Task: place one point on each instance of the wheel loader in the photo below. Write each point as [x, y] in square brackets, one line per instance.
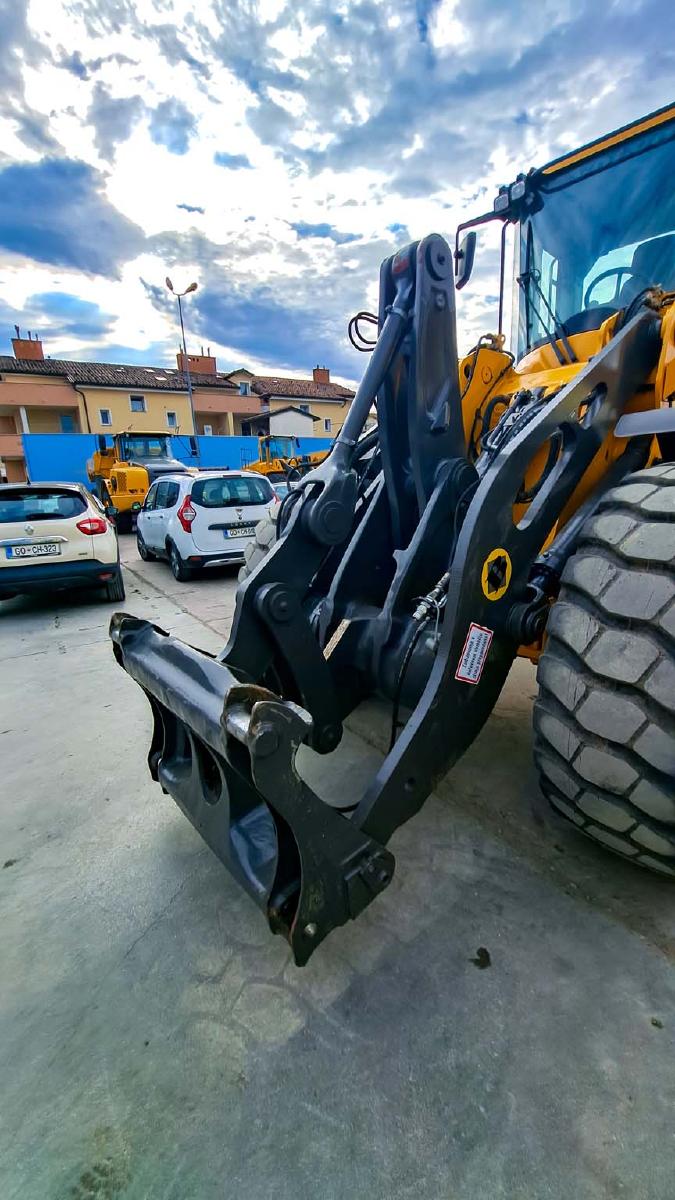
[514, 502]
[122, 473]
[279, 460]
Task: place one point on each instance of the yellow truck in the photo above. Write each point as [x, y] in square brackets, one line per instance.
[122, 473]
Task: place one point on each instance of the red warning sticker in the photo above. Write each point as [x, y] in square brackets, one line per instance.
[474, 654]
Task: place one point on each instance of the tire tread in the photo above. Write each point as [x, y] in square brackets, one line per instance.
[578, 666]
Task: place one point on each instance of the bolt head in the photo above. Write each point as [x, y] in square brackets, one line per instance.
[310, 930]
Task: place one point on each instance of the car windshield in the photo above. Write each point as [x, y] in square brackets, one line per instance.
[605, 231]
[231, 490]
[145, 447]
[40, 504]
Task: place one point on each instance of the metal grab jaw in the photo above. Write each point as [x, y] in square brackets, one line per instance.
[226, 752]
[332, 615]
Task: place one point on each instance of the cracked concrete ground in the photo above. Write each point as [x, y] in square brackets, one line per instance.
[156, 1043]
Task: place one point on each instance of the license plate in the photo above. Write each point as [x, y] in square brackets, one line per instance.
[34, 550]
[240, 531]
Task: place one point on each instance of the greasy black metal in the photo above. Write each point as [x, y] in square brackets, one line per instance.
[280, 610]
[226, 753]
[450, 713]
[551, 561]
[327, 616]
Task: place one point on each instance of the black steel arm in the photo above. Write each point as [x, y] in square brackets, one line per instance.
[329, 616]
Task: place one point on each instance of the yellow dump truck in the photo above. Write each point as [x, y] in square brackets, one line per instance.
[122, 473]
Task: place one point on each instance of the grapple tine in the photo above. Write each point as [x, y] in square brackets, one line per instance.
[225, 751]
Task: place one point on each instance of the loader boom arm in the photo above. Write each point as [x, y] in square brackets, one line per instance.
[386, 533]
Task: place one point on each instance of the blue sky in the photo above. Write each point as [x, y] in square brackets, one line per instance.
[276, 152]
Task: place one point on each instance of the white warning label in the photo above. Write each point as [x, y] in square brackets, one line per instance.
[474, 654]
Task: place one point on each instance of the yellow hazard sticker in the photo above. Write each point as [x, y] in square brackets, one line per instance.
[496, 574]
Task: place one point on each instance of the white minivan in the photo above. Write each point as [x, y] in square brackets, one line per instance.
[201, 520]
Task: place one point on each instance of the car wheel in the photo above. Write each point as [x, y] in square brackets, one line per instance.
[180, 571]
[114, 589]
[143, 551]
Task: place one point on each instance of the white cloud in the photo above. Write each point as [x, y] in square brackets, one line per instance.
[352, 116]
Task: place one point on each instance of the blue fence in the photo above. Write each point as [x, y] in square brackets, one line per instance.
[63, 456]
[59, 457]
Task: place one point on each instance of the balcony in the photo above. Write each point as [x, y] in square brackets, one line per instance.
[11, 445]
[210, 403]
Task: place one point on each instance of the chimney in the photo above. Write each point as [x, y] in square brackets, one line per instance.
[199, 364]
[27, 347]
[321, 375]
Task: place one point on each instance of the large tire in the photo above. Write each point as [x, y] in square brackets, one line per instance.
[605, 717]
[124, 522]
[114, 589]
[260, 545]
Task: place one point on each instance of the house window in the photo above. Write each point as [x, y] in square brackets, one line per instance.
[137, 403]
[208, 430]
[327, 425]
[67, 423]
[105, 416]
[304, 407]
[244, 388]
[171, 420]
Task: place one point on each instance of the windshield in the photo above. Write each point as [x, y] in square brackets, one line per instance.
[282, 447]
[145, 447]
[605, 231]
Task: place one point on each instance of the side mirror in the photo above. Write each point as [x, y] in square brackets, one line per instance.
[464, 256]
[101, 443]
[193, 447]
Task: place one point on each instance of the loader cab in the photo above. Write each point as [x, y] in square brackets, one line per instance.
[274, 447]
[594, 230]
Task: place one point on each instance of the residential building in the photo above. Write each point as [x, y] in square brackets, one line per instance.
[292, 421]
[45, 395]
[317, 396]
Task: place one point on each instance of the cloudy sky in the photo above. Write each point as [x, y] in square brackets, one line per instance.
[276, 151]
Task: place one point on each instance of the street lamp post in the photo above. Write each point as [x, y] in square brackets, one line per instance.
[179, 296]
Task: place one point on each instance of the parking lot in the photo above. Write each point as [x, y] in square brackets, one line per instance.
[498, 1024]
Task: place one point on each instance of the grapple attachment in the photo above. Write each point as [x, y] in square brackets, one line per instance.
[401, 571]
[226, 752]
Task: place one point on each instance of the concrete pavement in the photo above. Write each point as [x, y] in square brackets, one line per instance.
[156, 1042]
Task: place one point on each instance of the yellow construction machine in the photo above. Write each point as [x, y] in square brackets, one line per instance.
[279, 459]
[519, 501]
[122, 472]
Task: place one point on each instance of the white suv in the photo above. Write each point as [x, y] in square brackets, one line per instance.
[202, 520]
